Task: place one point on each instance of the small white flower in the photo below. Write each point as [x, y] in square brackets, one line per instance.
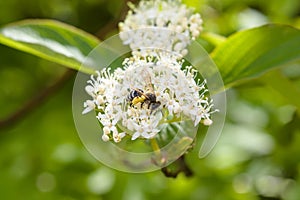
[105, 138]
[100, 100]
[90, 90]
[89, 106]
[106, 130]
[207, 122]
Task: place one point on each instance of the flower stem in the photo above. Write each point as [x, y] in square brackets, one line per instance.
[175, 119]
[124, 129]
[159, 159]
[154, 145]
[178, 119]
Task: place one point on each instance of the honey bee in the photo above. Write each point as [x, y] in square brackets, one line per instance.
[147, 98]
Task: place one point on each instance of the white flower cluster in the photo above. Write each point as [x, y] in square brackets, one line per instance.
[175, 25]
[153, 87]
[180, 95]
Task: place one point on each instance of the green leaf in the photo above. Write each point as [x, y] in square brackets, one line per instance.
[50, 40]
[248, 54]
[213, 38]
[280, 83]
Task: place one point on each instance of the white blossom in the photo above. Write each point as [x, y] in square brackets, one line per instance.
[181, 94]
[160, 24]
[158, 32]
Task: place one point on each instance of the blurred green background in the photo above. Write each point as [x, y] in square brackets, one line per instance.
[257, 156]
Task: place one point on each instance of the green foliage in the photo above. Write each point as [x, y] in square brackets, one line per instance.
[50, 40]
[249, 53]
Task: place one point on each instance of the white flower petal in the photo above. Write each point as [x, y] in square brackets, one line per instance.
[106, 130]
[207, 122]
[121, 135]
[105, 138]
[89, 106]
[90, 90]
[135, 136]
[87, 110]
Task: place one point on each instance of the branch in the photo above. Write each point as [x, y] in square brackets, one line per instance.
[36, 100]
[177, 167]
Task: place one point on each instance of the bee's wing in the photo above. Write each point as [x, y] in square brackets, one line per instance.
[147, 78]
[141, 92]
[135, 89]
